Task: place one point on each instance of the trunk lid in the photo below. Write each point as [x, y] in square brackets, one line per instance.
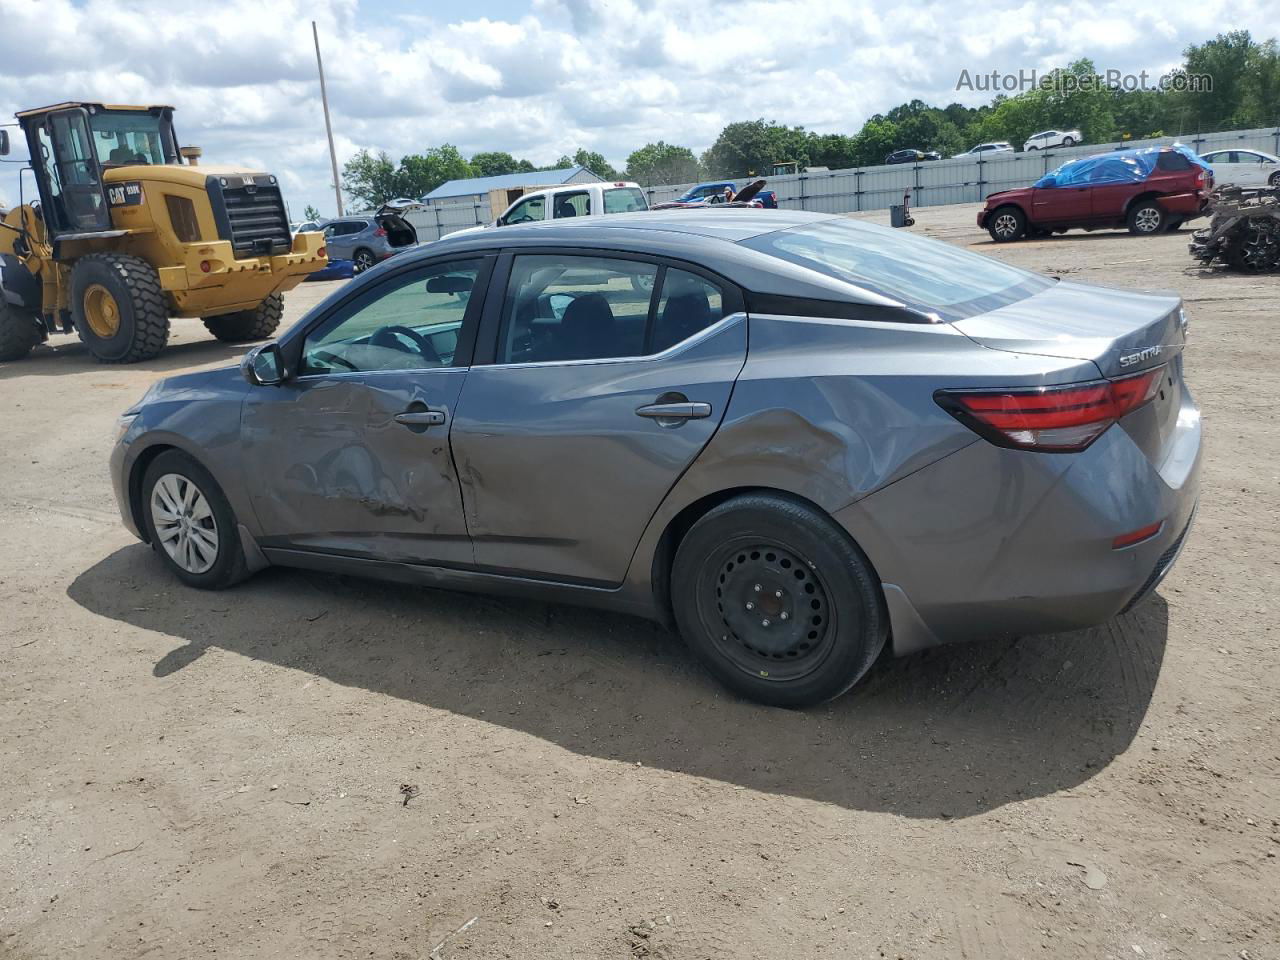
[1121, 332]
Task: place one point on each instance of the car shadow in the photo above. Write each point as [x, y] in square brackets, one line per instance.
[64, 354]
[947, 733]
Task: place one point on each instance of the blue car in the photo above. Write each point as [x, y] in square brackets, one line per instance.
[335, 270]
[707, 192]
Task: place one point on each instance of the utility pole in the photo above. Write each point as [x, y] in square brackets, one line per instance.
[328, 127]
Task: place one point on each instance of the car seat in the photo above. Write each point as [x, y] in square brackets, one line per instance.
[588, 330]
[683, 316]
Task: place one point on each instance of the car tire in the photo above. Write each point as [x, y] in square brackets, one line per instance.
[363, 260]
[762, 561]
[204, 551]
[256, 324]
[1274, 179]
[119, 309]
[1068, 141]
[1146, 218]
[1032, 149]
[643, 282]
[1006, 224]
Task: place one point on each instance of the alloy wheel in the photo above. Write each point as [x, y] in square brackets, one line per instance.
[1147, 220]
[364, 260]
[184, 523]
[1006, 225]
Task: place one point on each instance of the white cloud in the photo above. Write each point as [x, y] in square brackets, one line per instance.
[544, 77]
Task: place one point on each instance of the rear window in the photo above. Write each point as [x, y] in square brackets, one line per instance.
[926, 275]
[624, 200]
[1171, 160]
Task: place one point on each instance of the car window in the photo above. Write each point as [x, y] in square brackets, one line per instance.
[411, 321]
[1246, 156]
[1217, 157]
[575, 308]
[927, 275]
[1172, 160]
[528, 210]
[576, 204]
[687, 304]
[624, 200]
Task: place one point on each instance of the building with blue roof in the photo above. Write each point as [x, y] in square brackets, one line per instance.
[478, 189]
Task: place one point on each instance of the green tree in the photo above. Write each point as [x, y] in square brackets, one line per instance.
[752, 147]
[421, 173]
[310, 213]
[662, 163]
[370, 179]
[594, 162]
[497, 163]
[1227, 59]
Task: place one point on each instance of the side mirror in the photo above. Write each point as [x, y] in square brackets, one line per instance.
[263, 366]
[4, 143]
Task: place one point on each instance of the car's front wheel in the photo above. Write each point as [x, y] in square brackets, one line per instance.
[1274, 179]
[190, 523]
[1007, 224]
[1146, 218]
[777, 602]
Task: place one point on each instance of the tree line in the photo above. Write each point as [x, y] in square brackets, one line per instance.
[1244, 92]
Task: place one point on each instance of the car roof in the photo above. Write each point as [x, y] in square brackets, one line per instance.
[708, 237]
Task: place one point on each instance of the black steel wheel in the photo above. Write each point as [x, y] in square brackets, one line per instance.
[777, 601]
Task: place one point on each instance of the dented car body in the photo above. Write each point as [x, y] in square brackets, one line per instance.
[925, 400]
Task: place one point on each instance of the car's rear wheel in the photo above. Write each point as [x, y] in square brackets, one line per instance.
[1146, 218]
[363, 260]
[1007, 224]
[777, 601]
[190, 523]
[1068, 141]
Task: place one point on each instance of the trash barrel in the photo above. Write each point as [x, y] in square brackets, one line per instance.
[898, 215]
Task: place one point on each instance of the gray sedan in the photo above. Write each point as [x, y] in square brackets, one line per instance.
[795, 437]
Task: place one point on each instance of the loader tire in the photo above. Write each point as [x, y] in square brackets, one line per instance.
[256, 324]
[118, 307]
[19, 331]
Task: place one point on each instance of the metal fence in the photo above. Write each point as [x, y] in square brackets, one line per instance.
[932, 183]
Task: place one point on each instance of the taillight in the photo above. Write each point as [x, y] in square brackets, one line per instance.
[380, 232]
[1061, 419]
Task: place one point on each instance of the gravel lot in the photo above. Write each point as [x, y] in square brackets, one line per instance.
[189, 775]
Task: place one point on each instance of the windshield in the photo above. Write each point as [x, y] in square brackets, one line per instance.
[130, 136]
[927, 275]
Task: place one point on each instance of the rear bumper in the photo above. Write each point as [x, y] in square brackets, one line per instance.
[992, 542]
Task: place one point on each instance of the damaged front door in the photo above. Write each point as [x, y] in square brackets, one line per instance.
[352, 453]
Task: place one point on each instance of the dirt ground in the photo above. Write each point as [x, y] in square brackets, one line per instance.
[190, 775]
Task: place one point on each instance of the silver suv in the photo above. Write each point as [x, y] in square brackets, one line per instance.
[368, 240]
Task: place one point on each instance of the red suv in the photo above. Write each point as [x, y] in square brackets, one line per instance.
[1148, 190]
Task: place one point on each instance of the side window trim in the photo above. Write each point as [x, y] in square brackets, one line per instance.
[733, 300]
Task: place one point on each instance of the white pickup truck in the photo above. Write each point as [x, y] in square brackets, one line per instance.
[575, 200]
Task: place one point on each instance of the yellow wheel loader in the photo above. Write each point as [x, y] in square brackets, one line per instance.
[128, 231]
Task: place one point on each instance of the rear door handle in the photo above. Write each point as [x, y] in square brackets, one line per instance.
[420, 418]
[685, 410]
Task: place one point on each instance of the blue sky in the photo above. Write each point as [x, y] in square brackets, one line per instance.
[540, 78]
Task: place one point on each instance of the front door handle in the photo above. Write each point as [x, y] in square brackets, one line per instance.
[420, 418]
[683, 410]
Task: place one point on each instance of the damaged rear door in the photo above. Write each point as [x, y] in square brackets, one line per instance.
[351, 455]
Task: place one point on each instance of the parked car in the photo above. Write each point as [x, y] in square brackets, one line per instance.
[1148, 190]
[912, 156]
[713, 192]
[1244, 168]
[922, 445]
[306, 226]
[368, 240]
[1046, 139]
[985, 150]
[575, 200]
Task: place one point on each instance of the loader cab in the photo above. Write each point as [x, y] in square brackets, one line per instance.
[72, 144]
